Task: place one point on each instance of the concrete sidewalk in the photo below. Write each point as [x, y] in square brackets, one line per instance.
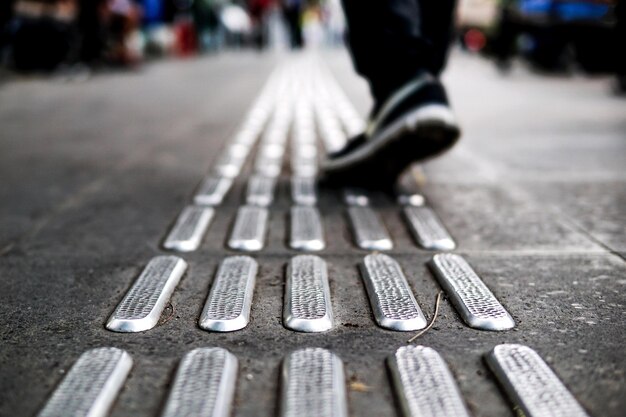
[93, 174]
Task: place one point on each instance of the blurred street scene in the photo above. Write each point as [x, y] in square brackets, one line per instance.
[119, 118]
[559, 36]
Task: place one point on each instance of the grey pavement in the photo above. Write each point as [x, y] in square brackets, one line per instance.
[92, 175]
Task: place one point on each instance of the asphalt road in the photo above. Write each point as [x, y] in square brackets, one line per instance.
[92, 174]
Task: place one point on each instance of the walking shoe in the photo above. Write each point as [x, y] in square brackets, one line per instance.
[414, 124]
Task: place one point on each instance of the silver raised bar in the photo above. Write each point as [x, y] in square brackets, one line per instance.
[143, 304]
[307, 305]
[191, 225]
[427, 229]
[392, 301]
[248, 233]
[228, 305]
[356, 197]
[306, 229]
[424, 385]
[260, 191]
[91, 385]
[313, 385]
[474, 302]
[303, 191]
[204, 384]
[212, 191]
[531, 384]
[369, 232]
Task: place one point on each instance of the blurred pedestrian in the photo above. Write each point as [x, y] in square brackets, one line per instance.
[400, 47]
[292, 12]
[122, 18]
[259, 10]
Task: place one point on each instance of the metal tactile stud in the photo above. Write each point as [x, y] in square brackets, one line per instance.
[313, 385]
[474, 302]
[91, 385]
[369, 231]
[141, 307]
[228, 305]
[204, 384]
[391, 298]
[427, 229]
[531, 384]
[424, 385]
[307, 305]
[191, 225]
[248, 233]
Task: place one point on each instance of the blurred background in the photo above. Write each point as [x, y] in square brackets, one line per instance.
[79, 36]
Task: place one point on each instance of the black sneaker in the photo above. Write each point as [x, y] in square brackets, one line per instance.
[414, 124]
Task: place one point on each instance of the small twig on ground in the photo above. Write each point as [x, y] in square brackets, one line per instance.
[432, 322]
[168, 318]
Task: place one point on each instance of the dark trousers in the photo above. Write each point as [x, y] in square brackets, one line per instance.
[392, 41]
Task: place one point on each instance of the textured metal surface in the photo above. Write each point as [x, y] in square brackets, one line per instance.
[91, 386]
[304, 167]
[248, 233]
[313, 385]
[212, 191]
[307, 295]
[306, 229]
[424, 385]
[356, 197]
[229, 165]
[304, 191]
[531, 384]
[143, 304]
[227, 307]
[475, 303]
[411, 199]
[369, 232]
[204, 385]
[191, 225]
[268, 168]
[391, 298]
[260, 191]
[427, 229]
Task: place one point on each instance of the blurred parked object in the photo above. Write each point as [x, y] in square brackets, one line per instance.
[237, 24]
[42, 34]
[556, 35]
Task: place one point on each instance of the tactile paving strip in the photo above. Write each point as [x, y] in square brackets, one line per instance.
[307, 295]
[306, 229]
[303, 191]
[260, 191]
[424, 385]
[369, 232]
[187, 233]
[249, 230]
[313, 385]
[228, 305]
[531, 384]
[143, 304]
[212, 191]
[475, 303]
[392, 301]
[204, 384]
[91, 386]
[427, 229]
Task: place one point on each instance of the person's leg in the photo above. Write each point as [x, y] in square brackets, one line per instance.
[393, 41]
[400, 47]
[438, 30]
